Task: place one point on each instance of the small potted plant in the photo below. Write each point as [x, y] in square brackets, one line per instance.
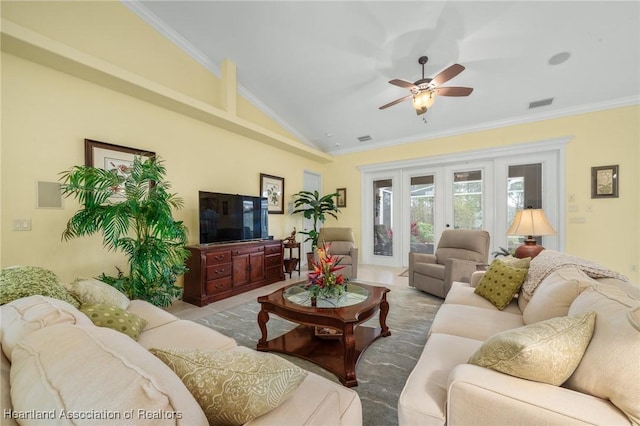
[315, 207]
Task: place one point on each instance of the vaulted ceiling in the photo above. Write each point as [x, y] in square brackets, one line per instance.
[321, 68]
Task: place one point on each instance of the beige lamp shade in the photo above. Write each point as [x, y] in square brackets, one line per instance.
[531, 222]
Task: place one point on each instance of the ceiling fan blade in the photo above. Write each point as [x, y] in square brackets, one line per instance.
[453, 91]
[397, 101]
[402, 83]
[447, 74]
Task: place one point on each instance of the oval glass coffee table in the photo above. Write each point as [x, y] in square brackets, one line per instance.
[330, 333]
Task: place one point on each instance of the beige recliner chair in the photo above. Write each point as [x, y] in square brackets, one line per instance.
[456, 258]
[343, 245]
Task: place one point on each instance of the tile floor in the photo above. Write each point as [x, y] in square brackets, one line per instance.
[369, 273]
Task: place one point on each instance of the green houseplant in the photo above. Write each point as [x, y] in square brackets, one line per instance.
[315, 207]
[132, 209]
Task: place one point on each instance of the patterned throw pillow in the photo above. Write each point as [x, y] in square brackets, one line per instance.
[24, 281]
[547, 351]
[500, 283]
[93, 291]
[516, 262]
[113, 317]
[234, 386]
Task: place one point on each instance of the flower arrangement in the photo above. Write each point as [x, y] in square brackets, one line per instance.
[323, 280]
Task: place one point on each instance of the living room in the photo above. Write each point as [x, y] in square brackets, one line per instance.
[95, 70]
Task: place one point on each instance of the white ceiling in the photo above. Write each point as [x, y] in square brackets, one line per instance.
[321, 68]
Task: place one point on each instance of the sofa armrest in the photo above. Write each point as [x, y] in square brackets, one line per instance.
[457, 270]
[476, 277]
[478, 395]
[354, 261]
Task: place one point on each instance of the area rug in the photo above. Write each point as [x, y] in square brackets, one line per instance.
[383, 368]
[404, 273]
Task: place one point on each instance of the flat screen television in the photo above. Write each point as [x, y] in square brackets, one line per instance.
[232, 217]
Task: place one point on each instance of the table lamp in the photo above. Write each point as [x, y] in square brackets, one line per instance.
[530, 222]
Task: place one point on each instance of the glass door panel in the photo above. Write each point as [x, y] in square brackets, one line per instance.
[524, 189]
[383, 217]
[421, 202]
[467, 200]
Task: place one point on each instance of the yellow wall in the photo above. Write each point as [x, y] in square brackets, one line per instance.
[47, 114]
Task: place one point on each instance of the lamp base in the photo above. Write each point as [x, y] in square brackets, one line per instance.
[530, 248]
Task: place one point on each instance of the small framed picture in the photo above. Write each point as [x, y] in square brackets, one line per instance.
[604, 182]
[272, 187]
[341, 200]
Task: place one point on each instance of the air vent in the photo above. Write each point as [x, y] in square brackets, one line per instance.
[364, 138]
[540, 103]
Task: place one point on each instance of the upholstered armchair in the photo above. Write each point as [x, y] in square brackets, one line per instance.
[343, 245]
[456, 258]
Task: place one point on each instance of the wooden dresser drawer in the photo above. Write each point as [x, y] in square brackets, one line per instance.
[272, 249]
[219, 271]
[219, 257]
[219, 286]
[272, 260]
[274, 272]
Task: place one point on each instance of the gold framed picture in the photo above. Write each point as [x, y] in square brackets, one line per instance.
[604, 182]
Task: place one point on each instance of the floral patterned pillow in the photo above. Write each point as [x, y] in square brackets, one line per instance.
[24, 281]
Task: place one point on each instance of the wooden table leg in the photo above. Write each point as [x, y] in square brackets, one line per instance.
[263, 318]
[384, 311]
[349, 342]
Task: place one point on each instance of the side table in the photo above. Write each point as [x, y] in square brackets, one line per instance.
[292, 263]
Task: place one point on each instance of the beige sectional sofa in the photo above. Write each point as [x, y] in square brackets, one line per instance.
[54, 358]
[444, 388]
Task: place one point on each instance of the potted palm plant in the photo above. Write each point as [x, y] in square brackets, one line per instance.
[132, 209]
[315, 207]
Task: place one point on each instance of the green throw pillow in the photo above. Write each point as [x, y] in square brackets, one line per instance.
[547, 351]
[500, 283]
[113, 317]
[516, 262]
[25, 281]
[234, 386]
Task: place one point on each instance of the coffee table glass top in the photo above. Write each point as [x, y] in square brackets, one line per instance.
[300, 296]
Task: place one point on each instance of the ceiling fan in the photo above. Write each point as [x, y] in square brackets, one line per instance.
[424, 90]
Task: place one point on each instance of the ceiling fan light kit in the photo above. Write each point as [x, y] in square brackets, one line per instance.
[423, 91]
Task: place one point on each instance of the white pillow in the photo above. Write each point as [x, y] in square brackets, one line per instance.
[555, 294]
[29, 314]
[98, 370]
[90, 291]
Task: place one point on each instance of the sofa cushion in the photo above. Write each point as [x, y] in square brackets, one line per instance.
[555, 294]
[234, 386]
[610, 367]
[117, 319]
[93, 291]
[25, 281]
[185, 334]
[97, 370]
[154, 315]
[464, 294]
[29, 314]
[340, 247]
[547, 351]
[500, 283]
[473, 322]
[434, 270]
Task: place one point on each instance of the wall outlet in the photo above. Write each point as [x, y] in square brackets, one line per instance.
[572, 198]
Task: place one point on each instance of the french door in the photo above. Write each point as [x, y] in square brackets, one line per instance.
[408, 207]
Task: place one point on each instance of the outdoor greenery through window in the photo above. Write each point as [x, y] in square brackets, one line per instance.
[467, 200]
[422, 192]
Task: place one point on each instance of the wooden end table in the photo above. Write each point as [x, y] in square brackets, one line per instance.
[338, 351]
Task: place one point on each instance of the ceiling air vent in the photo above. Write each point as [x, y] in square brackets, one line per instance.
[364, 138]
[540, 103]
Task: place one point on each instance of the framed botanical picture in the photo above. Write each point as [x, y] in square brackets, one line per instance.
[272, 187]
[341, 200]
[111, 157]
[604, 182]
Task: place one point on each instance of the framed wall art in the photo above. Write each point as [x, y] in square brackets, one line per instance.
[111, 157]
[272, 187]
[604, 182]
[341, 200]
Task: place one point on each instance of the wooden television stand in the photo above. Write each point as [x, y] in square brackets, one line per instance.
[218, 271]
